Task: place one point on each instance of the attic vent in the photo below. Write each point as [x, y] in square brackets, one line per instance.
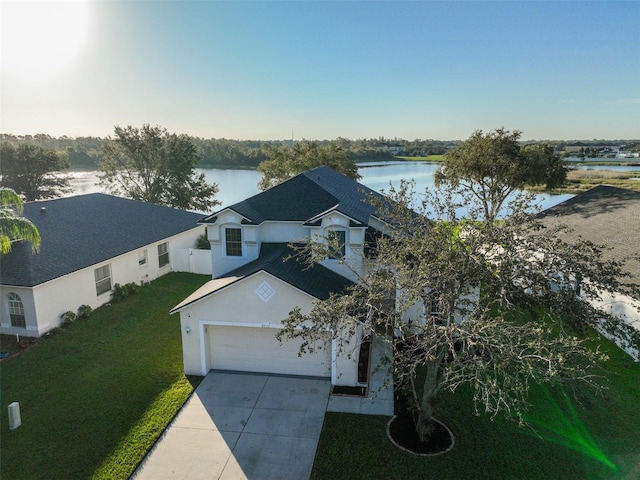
[265, 292]
[43, 210]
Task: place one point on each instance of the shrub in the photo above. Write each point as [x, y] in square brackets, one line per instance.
[84, 311]
[68, 318]
[131, 288]
[203, 242]
[123, 291]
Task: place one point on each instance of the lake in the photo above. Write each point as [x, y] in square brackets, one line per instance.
[236, 185]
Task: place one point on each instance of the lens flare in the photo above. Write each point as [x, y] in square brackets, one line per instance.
[561, 425]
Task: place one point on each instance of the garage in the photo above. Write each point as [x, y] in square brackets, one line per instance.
[255, 349]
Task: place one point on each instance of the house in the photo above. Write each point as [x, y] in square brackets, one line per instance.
[230, 323]
[89, 243]
[608, 216]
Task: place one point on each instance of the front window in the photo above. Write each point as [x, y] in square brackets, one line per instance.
[337, 244]
[233, 242]
[16, 311]
[163, 254]
[103, 279]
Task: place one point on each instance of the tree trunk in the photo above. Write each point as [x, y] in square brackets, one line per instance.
[425, 424]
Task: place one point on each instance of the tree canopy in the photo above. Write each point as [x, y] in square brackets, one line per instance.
[286, 162]
[33, 171]
[491, 305]
[155, 166]
[493, 165]
[14, 227]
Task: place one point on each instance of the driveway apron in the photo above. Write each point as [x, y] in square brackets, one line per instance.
[242, 426]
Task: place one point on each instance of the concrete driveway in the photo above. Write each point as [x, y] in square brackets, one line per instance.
[242, 426]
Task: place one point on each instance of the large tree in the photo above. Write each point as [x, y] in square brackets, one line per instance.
[488, 304]
[33, 171]
[493, 165]
[155, 166]
[14, 227]
[288, 161]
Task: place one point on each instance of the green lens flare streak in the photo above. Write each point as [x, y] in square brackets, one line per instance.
[566, 428]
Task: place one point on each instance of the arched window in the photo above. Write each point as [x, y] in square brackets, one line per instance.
[16, 311]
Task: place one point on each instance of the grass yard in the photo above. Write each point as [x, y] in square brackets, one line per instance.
[95, 396]
[599, 440]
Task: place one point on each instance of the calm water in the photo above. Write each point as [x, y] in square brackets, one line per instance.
[236, 185]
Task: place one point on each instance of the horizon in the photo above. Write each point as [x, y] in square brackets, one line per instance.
[556, 71]
[386, 139]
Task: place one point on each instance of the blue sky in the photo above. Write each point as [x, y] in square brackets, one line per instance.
[319, 70]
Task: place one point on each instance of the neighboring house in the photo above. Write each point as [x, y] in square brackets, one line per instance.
[607, 216]
[230, 323]
[89, 243]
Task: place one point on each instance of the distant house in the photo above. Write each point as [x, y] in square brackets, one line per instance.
[608, 216]
[89, 243]
[575, 147]
[230, 323]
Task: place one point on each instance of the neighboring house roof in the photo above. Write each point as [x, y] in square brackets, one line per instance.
[607, 216]
[84, 230]
[305, 197]
[274, 259]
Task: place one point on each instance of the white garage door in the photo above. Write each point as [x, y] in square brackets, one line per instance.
[251, 349]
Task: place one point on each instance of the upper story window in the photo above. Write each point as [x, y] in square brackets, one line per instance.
[142, 258]
[233, 242]
[163, 254]
[337, 240]
[437, 309]
[103, 279]
[16, 311]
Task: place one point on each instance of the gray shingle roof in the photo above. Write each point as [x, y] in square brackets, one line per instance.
[83, 230]
[305, 196]
[604, 215]
[318, 281]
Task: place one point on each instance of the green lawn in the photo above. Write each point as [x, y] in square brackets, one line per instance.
[591, 437]
[94, 397]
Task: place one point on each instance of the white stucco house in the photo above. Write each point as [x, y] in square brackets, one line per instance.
[607, 216]
[89, 243]
[230, 323]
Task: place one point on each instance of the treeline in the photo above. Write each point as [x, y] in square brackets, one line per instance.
[85, 153]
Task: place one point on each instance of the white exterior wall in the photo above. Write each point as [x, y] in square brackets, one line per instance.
[275, 232]
[252, 238]
[625, 308]
[45, 303]
[283, 232]
[240, 305]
